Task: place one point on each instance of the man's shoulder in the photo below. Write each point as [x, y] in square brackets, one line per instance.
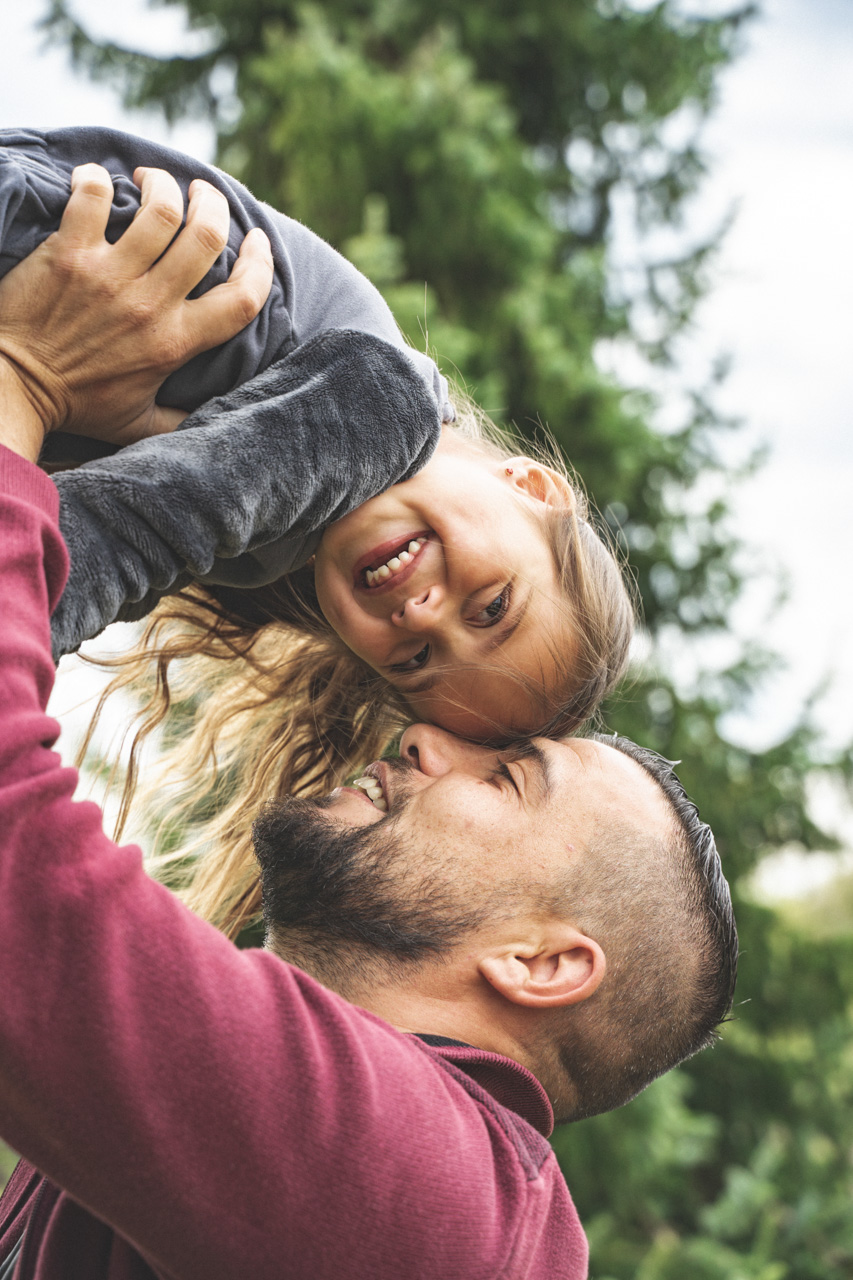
[505, 1091]
[436, 1086]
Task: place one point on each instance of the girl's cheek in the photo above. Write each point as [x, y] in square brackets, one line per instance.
[365, 636]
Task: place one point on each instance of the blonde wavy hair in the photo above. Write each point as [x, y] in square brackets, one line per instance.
[254, 697]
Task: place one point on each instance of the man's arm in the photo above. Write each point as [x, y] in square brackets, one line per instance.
[223, 1112]
[216, 1107]
[21, 427]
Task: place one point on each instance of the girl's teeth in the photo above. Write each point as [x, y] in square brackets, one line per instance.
[383, 573]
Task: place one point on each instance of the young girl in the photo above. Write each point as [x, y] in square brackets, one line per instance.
[474, 593]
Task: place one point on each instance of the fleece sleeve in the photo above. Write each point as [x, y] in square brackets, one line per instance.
[241, 492]
[220, 1110]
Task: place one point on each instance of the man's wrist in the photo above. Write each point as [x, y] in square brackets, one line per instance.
[21, 427]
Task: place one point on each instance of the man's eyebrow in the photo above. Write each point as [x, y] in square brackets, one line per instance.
[530, 751]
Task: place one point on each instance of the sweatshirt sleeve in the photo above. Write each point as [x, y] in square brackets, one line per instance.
[220, 1110]
[330, 293]
[241, 492]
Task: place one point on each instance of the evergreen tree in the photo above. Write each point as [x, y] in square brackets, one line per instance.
[486, 148]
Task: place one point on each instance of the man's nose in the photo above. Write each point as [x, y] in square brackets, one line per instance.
[435, 752]
[423, 612]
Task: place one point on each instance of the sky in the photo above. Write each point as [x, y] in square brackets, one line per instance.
[781, 153]
[782, 148]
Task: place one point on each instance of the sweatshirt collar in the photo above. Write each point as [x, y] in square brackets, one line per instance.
[509, 1083]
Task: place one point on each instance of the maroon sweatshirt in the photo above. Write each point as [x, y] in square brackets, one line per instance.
[201, 1111]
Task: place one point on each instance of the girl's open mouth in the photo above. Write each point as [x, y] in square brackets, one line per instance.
[391, 563]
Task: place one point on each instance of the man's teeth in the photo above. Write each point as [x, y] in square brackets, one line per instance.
[374, 576]
[373, 790]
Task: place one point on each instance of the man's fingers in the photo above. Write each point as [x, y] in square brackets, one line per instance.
[161, 212]
[200, 243]
[222, 312]
[88, 210]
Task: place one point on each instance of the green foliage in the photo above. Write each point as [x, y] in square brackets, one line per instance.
[486, 150]
[742, 1163]
[8, 1160]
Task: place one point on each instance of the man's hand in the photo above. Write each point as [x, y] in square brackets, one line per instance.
[89, 330]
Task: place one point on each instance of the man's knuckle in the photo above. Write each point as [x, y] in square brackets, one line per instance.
[72, 261]
[173, 351]
[211, 238]
[166, 213]
[92, 180]
[140, 313]
[95, 185]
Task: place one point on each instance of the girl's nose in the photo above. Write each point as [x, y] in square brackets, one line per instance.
[421, 613]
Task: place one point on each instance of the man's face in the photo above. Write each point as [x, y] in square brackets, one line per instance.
[465, 831]
[540, 802]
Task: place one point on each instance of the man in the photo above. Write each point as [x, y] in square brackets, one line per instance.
[520, 935]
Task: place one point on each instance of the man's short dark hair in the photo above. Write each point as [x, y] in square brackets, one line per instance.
[668, 929]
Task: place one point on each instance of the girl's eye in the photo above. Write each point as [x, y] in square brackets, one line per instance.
[494, 610]
[414, 664]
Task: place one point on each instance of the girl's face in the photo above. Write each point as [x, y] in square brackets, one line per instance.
[446, 586]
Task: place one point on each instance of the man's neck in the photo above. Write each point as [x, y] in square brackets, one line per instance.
[454, 1003]
[481, 1019]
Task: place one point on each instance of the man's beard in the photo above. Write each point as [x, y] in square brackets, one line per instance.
[340, 901]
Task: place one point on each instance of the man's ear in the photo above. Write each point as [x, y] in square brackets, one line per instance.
[537, 481]
[562, 967]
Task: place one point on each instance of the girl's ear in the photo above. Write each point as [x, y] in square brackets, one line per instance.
[537, 481]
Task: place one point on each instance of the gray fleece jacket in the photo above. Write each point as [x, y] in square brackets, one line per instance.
[312, 409]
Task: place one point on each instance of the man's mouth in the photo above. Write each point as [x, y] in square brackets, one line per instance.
[374, 791]
[390, 563]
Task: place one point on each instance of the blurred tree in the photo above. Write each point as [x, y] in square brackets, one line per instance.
[489, 149]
